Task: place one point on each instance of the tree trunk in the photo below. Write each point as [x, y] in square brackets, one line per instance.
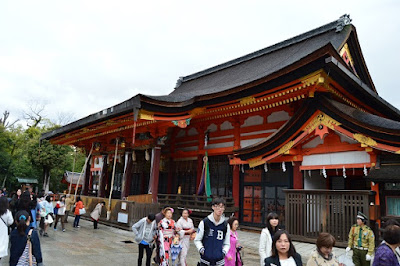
[46, 179]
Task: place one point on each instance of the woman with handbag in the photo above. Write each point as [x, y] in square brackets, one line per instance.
[95, 214]
[6, 221]
[233, 258]
[48, 218]
[79, 210]
[60, 206]
[25, 244]
[186, 233]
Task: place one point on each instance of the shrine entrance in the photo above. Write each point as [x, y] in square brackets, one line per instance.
[262, 193]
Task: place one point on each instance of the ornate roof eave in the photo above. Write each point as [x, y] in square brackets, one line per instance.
[314, 112]
[358, 89]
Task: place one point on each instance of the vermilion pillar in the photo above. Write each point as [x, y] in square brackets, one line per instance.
[236, 168]
[297, 176]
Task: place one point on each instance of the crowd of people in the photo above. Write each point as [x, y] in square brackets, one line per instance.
[26, 216]
[217, 241]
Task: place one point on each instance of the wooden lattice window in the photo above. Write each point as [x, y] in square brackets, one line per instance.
[220, 175]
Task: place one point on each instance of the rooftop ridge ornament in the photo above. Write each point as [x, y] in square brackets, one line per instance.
[179, 82]
[342, 22]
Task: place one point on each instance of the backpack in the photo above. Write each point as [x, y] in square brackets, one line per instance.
[206, 222]
[27, 258]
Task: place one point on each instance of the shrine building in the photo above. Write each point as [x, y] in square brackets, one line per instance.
[302, 115]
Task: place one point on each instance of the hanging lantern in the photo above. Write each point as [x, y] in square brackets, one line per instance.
[324, 172]
[147, 155]
[266, 167]
[97, 146]
[242, 169]
[133, 156]
[344, 172]
[123, 144]
[309, 173]
[365, 170]
[283, 167]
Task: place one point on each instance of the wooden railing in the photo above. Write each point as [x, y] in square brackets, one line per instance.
[199, 205]
[309, 212]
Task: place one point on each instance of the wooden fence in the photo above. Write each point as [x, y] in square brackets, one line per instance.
[132, 211]
[309, 212]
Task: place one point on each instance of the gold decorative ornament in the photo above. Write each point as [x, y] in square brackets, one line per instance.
[322, 119]
[145, 115]
[364, 140]
[285, 148]
[255, 162]
[247, 100]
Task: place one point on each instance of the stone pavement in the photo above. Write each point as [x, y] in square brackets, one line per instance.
[105, 246]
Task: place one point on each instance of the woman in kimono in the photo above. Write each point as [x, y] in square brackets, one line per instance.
[167, 231]
[186, 224]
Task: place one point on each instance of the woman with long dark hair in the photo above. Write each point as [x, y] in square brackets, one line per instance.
[26, 204]
[21, 250]
[78, 206]
[283, 251]
[265, 245]
[6, 221]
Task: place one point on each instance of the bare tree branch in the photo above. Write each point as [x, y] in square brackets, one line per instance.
[64, 118]
[35, 113]
[4, 122]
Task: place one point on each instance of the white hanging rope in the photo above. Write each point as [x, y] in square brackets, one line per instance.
[73, 169]
[83, 170]
[365, 170]
[324, 172]
[266, 167]
[112, 180]
[344, 172]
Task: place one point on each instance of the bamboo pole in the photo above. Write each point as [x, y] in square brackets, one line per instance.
[83, 169]
[112, 180]
[73, 170]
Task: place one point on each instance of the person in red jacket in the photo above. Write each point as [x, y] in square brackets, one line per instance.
[78, 206]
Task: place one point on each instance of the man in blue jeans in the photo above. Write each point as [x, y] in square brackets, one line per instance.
[145, 230]
[213, 235]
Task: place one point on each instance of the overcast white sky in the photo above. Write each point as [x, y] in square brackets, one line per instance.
[80, 57]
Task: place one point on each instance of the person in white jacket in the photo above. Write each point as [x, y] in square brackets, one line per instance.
[6, 220]
[266, 236]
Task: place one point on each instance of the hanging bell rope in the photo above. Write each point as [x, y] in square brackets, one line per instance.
[112, 180]
[83, 169]
[73, 170]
